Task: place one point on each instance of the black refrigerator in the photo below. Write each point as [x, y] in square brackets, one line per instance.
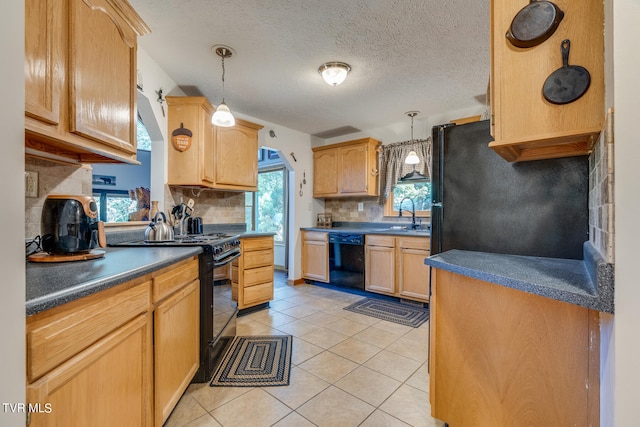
[481, 202]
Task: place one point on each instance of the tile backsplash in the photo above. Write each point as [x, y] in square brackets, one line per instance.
[601, 184]
[346, 210]
[54, 178]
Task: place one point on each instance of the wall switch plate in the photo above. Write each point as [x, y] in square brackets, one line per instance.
[360, 206]
[31, 184]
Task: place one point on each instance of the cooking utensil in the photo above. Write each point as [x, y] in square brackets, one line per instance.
[534, 23]
[567, 83]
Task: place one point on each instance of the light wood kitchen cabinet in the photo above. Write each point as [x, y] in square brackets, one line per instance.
[92, 359]
[176, 332]
[413, 274]
[194, 166]
[325, 173]
[380, 264]
[395, 266]
[236, 156]
[346, 169]
[252, 281]
[218, 158]
[315, 256]
[504, 357]
[122, 356]
[524, 124]
[80, 80]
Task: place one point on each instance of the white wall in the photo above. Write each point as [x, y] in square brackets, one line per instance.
[153, 79]
[627, 212]
[401, 130]
[12, 308]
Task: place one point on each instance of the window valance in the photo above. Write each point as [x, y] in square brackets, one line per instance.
[392, 165]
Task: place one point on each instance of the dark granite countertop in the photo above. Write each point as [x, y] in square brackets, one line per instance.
[51, 284]
[587, 283]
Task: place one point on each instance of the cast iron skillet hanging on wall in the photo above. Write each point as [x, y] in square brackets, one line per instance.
[535, 23]
[568, 83]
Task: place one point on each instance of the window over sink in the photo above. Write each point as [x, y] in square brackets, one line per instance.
[419, 192]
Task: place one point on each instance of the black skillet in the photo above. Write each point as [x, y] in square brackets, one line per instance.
[535, 23]
[568, 83]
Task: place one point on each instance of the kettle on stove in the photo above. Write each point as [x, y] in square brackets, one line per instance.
[70, 225]
[158, 230]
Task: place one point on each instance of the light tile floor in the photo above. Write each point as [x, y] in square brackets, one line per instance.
[347, 370]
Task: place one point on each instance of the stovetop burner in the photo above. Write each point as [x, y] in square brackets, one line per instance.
[188, 240]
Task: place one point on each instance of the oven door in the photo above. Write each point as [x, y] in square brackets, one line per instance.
[226, 258]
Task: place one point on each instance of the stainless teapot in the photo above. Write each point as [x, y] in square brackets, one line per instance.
[158, 230]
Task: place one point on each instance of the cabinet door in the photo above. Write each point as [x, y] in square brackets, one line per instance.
[413, 275]
[44, 65]
[315, 260]
[176, 350]
[354, 169]
[325, 173]
[102, 75]
[380, 269]
[108, 384]
[236, 158]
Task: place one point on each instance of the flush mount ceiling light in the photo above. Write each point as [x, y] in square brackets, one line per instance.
[335, 72]
[412, 158]
[223, 117]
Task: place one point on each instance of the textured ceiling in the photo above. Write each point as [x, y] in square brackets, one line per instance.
[430, 55]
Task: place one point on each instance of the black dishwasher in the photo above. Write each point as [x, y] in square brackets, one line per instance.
[346, 260]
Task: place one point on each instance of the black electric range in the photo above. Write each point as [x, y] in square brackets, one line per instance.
[218, 310]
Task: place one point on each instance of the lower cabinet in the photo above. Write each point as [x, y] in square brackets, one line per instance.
[504, 357]
[315, 256]
[395, 266]
[108, 384]
[252, 282]
[123, 356]
[176, 347]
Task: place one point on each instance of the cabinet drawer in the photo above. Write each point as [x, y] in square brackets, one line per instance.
[315, 235]
[257, 243]
[258, 294]
[258, 275]
[166, 283]
[414, 242]
[56, 338]
[375, 240]
[258, 258]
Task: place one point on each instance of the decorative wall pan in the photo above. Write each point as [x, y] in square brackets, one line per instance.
[567, 83]
[535, 23]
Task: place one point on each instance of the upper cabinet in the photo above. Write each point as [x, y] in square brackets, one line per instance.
[346, 169]
[524, 124]
[203, 155]
[80, 79]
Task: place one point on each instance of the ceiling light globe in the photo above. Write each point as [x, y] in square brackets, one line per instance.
[223, 117]
[334, 73]
[412, 158]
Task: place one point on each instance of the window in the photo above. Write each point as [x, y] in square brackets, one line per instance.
[142, 136]
[419, 192]
[114, 205]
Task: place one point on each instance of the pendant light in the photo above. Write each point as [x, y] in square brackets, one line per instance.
[223, 117]
[412, 158]
[334, 72]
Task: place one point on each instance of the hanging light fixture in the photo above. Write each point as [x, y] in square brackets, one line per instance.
[223, 117]
[412, 158]
[335, 72]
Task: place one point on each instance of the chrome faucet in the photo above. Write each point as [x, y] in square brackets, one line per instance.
[413, 212]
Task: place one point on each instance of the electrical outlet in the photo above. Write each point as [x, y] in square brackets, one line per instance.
[31, 184]
[360, 206]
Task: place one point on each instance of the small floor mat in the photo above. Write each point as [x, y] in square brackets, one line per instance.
[404, 314]
[255, 361]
